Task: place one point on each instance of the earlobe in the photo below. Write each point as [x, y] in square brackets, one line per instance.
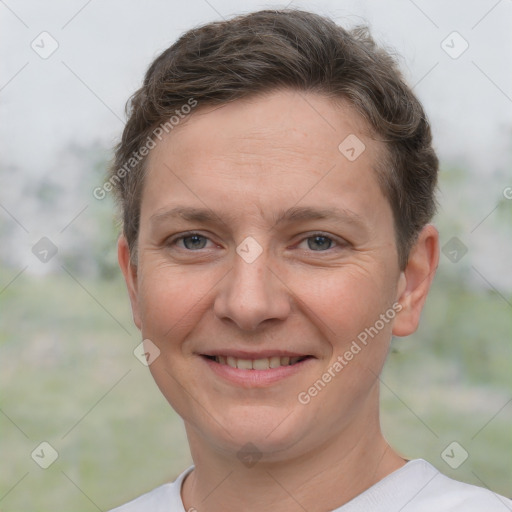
[129, 271]
[415, 280]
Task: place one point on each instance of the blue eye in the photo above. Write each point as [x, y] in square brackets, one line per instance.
[319, 242]
[194, 241]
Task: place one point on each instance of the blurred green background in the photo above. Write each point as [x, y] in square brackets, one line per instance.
[69, 377]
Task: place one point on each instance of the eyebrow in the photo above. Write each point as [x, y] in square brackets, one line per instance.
[294, 214]
[299, 213]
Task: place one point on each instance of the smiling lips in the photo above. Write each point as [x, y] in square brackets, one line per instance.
[265, 363]
[255, 370]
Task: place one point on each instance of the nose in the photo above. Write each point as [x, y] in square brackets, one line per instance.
[252, 294]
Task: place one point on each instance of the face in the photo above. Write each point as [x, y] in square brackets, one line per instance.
[267, 274]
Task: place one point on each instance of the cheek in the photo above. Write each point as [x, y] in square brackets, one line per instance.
[350, 304]
[171, 300]
[347, 300]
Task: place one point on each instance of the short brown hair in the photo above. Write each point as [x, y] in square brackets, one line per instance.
[265, 50]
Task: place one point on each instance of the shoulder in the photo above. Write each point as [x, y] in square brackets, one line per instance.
[162, 499]
[420, 487]
[443, 493]
[154, 500]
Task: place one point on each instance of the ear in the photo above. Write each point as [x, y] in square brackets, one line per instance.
[415, 280]
[130, 276]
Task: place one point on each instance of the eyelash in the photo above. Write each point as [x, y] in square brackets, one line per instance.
[337, 243]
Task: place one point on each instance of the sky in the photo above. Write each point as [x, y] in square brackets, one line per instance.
[68, 67]
[104, 47]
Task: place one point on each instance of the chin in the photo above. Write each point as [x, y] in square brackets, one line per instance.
[273, 432]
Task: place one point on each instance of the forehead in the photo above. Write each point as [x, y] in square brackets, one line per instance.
[292, 142]
[282, 120]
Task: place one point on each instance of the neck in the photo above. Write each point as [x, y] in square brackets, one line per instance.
[322, 478]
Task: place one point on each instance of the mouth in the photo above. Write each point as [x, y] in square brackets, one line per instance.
[264, 363]
[260, 370]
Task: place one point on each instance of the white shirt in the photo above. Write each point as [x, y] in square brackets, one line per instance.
[416, 487]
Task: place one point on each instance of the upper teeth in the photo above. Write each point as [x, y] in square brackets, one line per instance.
[257, 364]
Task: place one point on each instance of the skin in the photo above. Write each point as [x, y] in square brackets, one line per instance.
[247, 162]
